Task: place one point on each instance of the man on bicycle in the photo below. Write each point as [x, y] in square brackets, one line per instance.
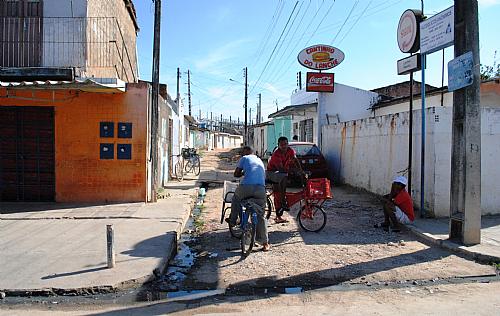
[282, 162]
[251, 186]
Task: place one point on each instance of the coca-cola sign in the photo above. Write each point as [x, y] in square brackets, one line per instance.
[319, 82]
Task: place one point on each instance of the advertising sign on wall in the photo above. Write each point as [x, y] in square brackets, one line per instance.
[320, 57]
[319, 82]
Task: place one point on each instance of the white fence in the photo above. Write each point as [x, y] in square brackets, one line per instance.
[368, 153]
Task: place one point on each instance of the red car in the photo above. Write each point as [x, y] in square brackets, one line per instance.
[311, 159]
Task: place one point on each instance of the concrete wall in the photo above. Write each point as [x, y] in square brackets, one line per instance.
[368, 153]
[345, 104]
[124, 33]
[81, 176]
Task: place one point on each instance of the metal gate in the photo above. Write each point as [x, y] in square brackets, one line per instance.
[27, 154]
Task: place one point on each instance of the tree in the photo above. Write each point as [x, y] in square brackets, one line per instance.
[489, 72]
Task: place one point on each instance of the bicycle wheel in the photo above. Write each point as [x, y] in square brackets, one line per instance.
[312, 218]
[247, 239]
[179, 170]
[188, 168]
[269, 207]
[196, 165]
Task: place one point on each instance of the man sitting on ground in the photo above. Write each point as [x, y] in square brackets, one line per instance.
[280, 164]
[251, 186]
[398, 206]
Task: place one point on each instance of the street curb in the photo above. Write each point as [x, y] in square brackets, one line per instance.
[127, 284]
[453, 247]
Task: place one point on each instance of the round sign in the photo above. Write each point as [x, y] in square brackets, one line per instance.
[408, 31]
[320, 57]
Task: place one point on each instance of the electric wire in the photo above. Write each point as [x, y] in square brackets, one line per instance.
[274, 49]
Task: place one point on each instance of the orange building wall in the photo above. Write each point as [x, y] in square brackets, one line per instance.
[80, 174]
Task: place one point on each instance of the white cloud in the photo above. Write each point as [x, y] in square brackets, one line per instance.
[488, 3]
[216, 57]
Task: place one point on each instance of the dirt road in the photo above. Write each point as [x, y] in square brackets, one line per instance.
[348, 249]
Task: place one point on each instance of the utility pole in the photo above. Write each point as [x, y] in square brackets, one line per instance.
[154, 99]
[259, 108]
[276, 102]
[221, 122]
[250, 116]
[465, 213]
[246, 101]
[211, 122]
[189, 91]
[178, 97]
[299, 80]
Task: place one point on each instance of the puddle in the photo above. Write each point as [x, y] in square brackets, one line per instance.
[293, 290]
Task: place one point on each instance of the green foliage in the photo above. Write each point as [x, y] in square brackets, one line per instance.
[490, 72]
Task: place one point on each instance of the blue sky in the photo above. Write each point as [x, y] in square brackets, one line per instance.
[216, 39]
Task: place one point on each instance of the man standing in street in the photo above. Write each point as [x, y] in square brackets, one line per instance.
[398, 206]
[251, 186]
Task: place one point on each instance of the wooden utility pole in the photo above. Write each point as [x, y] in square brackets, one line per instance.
[189, 91]
[259, 107]
[465, 213]
[154, 99]
[246, 101]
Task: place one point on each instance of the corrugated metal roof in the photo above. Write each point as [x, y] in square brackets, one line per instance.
[105, 85]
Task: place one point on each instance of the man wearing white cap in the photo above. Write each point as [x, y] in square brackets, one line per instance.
[398, 206]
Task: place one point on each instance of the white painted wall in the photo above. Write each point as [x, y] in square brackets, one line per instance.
[345, 104]
[303, 97]
[368, 153]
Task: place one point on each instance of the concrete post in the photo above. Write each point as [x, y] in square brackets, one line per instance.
[110, 245]
[465, 213]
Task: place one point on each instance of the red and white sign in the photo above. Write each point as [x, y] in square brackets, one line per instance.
[408, 31]
[320, 57]
[319, 82]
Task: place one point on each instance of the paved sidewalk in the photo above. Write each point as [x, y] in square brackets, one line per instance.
[63, 246]
[436, 231]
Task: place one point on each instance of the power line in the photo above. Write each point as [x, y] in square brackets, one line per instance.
[272, 53]
[356, 22]
[324, 17]
[345, 21]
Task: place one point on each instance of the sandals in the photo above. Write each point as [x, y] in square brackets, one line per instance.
[266, 247]
[279, 220]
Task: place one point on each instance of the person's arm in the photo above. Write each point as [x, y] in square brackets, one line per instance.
[238, 172]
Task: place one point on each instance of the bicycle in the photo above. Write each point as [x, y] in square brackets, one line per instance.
[193, 164]
[178, 170]
[227, 196]
[311, 216]
[248, 229]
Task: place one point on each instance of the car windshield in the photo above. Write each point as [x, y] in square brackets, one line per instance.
[306, 150]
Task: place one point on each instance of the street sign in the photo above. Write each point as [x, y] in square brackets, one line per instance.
[319, 82]
[460, 72]
[320, 57]
[408, 31]
[409, 64]
[437, 32]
